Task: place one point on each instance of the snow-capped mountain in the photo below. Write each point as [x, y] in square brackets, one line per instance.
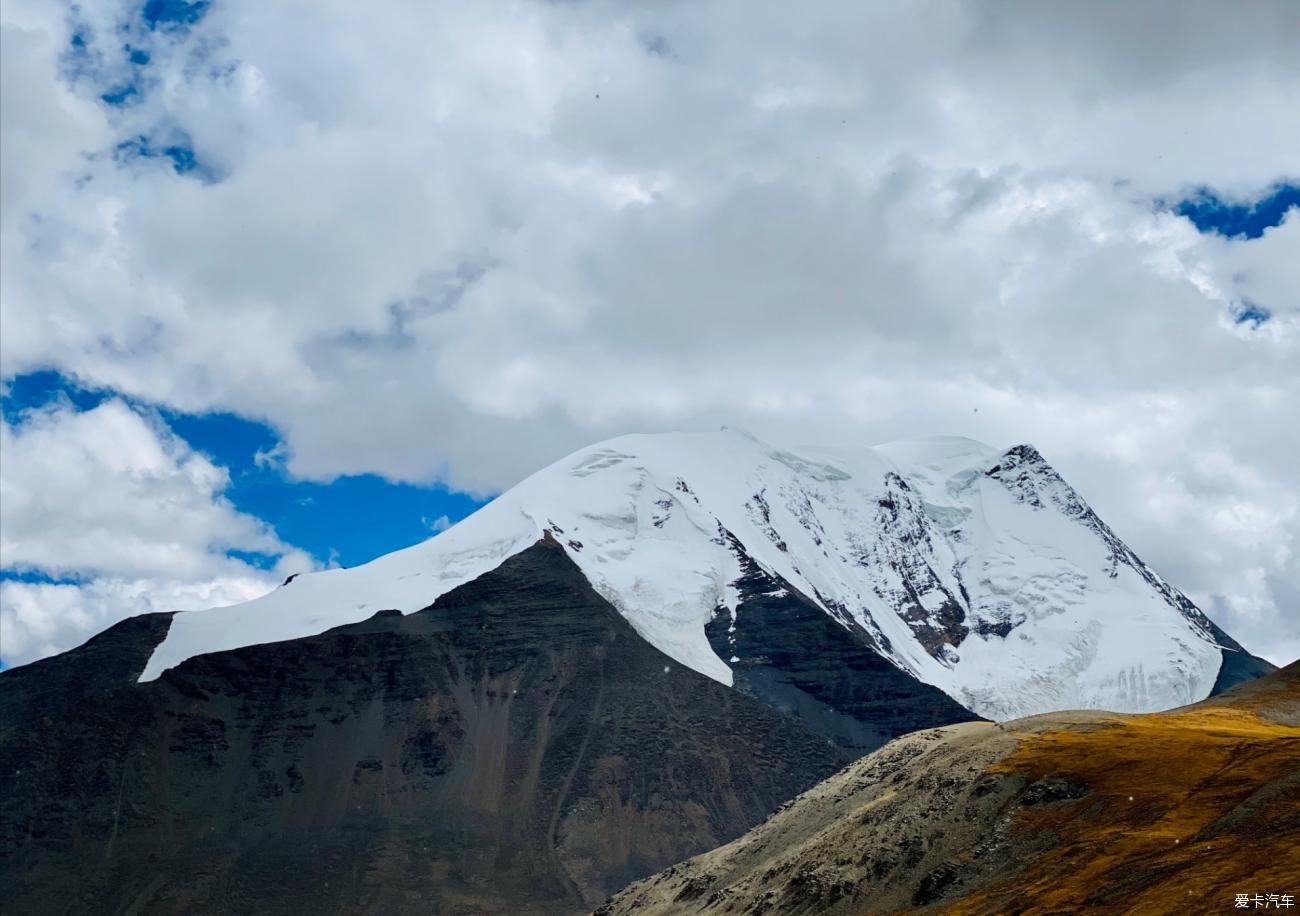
[977, 571]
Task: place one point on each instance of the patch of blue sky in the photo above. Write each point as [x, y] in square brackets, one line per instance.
[178, 150]
[347, 521]
[173, 14]
[79, 61]
[116, 66]
[1210, 211]
[37, 577]
[254, 558]
[1251, 313]
[1214, 213]
[121, 96]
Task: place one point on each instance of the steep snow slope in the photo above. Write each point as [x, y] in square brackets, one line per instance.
[980, 572]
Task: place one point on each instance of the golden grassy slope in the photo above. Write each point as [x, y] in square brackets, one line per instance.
[1073, 812]
[1187, 809]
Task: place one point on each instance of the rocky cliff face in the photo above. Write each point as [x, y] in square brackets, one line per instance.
[786, 651]
[516, 747]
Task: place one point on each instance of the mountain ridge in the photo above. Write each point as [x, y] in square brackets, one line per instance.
[977, 571]
[632, 657]
[513, 747]
[1068, 812]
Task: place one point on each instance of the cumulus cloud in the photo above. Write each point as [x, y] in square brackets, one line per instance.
[111, 501]
[107, 491]
[455, 241]
[38, 619]
[437, 525]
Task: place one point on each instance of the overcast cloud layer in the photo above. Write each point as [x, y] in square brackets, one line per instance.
[449, 241]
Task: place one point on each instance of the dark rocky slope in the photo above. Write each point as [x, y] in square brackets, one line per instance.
[105, 661]
[785, 650]
[1239, 666]
[514, 748]
[1173, 812]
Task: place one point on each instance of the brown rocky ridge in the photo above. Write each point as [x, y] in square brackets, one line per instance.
[1178, 811]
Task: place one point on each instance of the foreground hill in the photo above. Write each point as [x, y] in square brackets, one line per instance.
[514, 748]
[1170, 812]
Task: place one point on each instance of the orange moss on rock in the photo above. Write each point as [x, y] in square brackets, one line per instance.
[1186, 809]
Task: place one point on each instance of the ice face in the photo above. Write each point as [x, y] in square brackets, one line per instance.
[979, 571]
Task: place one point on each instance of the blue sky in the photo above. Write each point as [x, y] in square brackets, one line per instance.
[346, 521]
[1239, 219]
[1213, 213]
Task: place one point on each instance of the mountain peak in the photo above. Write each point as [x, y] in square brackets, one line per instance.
[978, 571]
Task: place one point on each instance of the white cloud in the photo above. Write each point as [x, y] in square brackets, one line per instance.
[454, 241]
[38, 619]
[108, 491]
[110, 499]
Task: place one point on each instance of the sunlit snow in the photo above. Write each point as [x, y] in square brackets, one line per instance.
[1048, 617]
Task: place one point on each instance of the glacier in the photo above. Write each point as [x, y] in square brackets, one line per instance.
[979, 571]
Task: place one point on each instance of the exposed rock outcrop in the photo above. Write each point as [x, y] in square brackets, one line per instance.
[515, 748]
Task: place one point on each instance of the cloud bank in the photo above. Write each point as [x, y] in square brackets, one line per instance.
[454, 241]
